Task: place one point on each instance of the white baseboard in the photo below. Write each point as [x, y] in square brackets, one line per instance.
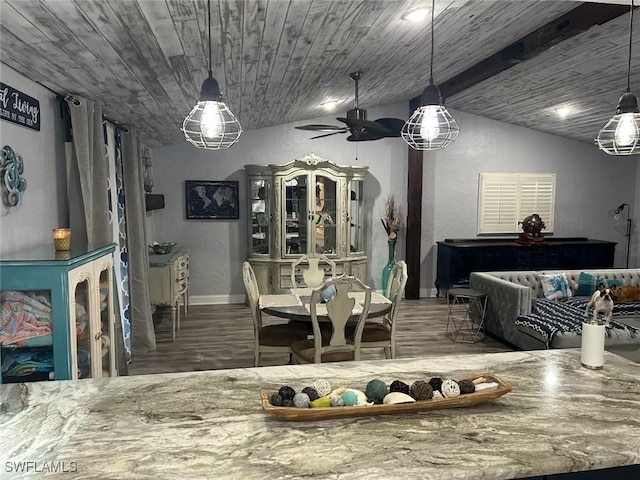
[216, 299]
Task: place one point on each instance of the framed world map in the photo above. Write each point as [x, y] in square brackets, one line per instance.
[212, 200]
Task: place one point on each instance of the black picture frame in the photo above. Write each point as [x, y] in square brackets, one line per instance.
[212, 199]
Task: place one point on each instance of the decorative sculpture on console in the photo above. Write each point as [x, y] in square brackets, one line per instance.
[531, 226]
[11, 169]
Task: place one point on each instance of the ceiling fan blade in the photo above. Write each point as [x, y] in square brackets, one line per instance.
[321, 128]
[363, 137]
[368, 125]
[329, 134]
[393, 124]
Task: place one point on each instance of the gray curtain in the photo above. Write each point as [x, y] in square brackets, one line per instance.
[143, 338]
[87, 174]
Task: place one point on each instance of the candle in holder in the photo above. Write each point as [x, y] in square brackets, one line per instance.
[62, 238]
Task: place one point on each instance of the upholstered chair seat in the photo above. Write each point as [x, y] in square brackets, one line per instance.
[281, 335]
[305, 351]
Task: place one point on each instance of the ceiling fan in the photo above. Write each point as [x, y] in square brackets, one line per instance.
[357, 125]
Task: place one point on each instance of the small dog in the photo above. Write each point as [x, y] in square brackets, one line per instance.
[625, 293]
[601, 302]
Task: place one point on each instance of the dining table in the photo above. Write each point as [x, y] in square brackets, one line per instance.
[295, 305]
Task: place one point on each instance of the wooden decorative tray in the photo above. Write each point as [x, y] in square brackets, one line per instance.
[313, 414]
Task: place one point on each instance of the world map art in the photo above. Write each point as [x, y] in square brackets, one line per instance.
[212, 199]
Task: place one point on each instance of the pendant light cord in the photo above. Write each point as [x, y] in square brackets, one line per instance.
[630, 37]
[433, 6]
[209, 17]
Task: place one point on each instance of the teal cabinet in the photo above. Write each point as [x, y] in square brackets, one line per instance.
[58, 315]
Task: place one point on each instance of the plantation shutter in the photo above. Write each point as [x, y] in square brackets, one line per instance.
[504, 199]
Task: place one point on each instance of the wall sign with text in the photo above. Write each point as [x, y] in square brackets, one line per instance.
[18, 107]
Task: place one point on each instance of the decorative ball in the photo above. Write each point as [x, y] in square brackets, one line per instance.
[301, 400]
[395, 398]
[421, 390]
[398, 386]
[376, 390]
[336, 401]
[321, 402]
[322, 386]
[276, 400]
[349, 398]
[437, 394]
[436, 383]
[466, 386]
[450, 388]
[286, 392]
[311, 392]
[287, 402]
[362, 398]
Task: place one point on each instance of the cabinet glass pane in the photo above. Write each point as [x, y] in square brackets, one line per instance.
[26, 340]
[297, 211]
[105, 343]
[326, 215]
[260, 215]
[356, 218]
[83, 330]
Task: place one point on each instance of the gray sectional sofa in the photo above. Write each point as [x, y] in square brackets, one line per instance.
[513, 294]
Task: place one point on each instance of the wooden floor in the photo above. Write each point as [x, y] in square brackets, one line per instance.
[221, 336]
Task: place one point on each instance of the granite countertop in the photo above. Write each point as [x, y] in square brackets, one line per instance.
[559, 418]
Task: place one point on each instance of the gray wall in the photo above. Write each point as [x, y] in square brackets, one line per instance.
[44, 205]
[218, 248]
[589, 186]
[589, 183]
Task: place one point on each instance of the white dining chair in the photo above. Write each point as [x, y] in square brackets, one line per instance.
[334, 346]
[382, 334]
[314, 274]
[269, 338]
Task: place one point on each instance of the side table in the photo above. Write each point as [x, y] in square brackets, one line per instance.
[467, 308]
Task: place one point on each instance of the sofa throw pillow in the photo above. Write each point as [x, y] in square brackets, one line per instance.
[586, 285]
[556, 287]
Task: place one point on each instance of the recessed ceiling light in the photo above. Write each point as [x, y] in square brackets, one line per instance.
[563, 112]
[330, 104]
[417, 15]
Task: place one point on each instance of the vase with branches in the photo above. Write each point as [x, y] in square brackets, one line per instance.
[392, 223]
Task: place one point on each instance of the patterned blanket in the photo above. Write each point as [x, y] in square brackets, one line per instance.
[550, 316]
[622, 309]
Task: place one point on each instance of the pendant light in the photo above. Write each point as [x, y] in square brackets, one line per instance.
[431, 127]
[210, 124]
[621, 134]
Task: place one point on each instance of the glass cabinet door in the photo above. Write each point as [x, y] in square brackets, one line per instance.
[260, 217]
[325, 219]
[82, 312]
[296, 215]
[105, 339]
[356, 216]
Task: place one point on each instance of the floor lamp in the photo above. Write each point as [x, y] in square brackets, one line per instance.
[616, 216]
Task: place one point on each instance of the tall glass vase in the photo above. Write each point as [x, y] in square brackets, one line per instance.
[386, 270]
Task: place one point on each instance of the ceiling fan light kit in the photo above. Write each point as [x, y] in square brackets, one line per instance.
[621, 134]
[431, 127]
[210, 124]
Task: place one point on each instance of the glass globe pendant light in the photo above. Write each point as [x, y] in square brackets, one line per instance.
[431, 127]
[621, 134]
[210, 124]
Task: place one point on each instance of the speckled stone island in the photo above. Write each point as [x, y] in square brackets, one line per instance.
[559, 418]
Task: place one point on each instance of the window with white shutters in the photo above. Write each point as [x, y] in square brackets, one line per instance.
[504, 199]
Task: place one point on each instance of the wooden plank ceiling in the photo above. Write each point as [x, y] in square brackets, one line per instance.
[277, 60]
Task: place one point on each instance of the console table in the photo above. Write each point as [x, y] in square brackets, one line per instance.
[457, 258]
[169, 282]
